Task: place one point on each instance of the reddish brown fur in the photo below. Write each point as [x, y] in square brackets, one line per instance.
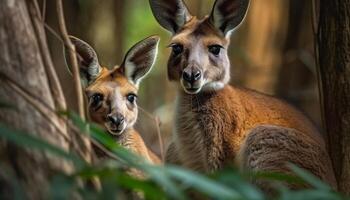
[232, 120]
[100, 86]
[218, 125]
[112, 93]
[130, 139]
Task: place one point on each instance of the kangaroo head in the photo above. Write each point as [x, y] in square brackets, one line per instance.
[112, 93]
[199, 59]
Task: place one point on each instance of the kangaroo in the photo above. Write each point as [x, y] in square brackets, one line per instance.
[112, 93]
[217, 124]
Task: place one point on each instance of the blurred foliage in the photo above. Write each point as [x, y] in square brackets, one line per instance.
[162, 182]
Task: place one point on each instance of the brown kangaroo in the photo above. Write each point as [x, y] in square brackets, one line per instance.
[217, 124]
[112, 93]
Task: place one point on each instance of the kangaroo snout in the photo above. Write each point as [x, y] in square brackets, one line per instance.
[116, 119]
[192, 79]
[191, 75]
[116, 123]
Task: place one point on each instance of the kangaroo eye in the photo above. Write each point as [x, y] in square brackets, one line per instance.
[96, 99]
[177, 49]
[215, 49]
[131, 98]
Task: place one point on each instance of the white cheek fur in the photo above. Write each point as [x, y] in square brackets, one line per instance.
[213, 86]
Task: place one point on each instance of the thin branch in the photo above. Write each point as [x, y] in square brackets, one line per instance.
[41, 19]
[76, 76]
[160, 139]
[41, 107]
[67, 43]
[72, 56]
[315, 21]
[43, 12]
[58, 37]
[47, 112]
[51, 69]
[37, 9]
[54, 83]
[54, 33]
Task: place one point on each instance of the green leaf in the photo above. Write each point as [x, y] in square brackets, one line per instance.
[276, 176]
[62, 187]
[202, 183]
[309, 178]
[155, 173]
[310, 195]
[159, 175]
[150, 190]
[174, 181]
[122, 178]
[24, 139]
[7, 175]
[234, 180]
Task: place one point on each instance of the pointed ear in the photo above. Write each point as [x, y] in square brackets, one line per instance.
[140, 59]
[89, 66]
[170, 14]
[228, 14]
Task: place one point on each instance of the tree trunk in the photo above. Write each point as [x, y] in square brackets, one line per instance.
[334, 62]
[297, 79]
[265, 31]
[23, 65]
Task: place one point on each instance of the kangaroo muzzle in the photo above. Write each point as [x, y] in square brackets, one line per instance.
[116, 123]
[191, 80]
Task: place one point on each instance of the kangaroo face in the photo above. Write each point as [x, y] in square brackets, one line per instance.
[199, 59]
[112, 93]
[112, 101]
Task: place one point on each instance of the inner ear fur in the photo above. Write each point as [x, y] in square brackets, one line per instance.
[170, 14]
[227, 15]
[89, 66]
[140, 59]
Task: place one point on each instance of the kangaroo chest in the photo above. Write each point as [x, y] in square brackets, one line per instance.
[200, 130]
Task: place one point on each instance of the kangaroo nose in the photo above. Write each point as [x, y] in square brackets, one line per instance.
[187, 76]
[191, 75]
[116, 119]
[197, 75]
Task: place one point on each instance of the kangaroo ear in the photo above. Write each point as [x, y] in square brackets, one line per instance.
[228, 14]
[89, 66]
[170, 14]
[140, 59]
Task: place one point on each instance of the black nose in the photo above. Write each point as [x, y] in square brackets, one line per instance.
[191, 75]
[116, 119]
[187, 76]
[197, 75]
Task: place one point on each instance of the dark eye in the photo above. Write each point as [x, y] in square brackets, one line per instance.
[215, 49]
[177, 49]
[96, 99]
[131, 98]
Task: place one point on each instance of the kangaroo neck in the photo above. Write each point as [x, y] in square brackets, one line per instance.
[124, 138]
[197, 100]
[201, 121]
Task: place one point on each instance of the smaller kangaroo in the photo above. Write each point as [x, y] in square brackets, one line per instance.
[217, 124]
[112, 93]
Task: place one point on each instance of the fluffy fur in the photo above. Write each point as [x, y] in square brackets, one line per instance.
[259, 132]
[217, 125]
[113, 87]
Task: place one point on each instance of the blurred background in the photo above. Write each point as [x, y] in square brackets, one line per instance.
[272, 52]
